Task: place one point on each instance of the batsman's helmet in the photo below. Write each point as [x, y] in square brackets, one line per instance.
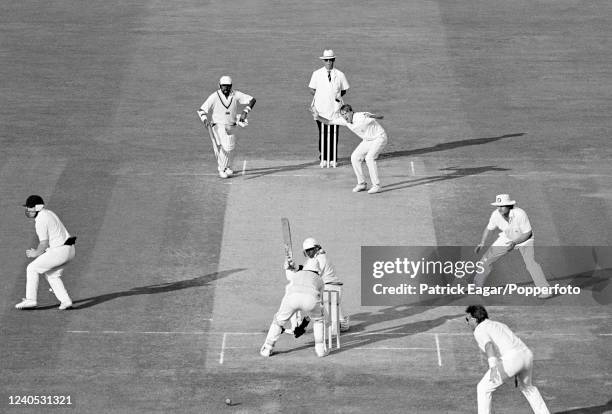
[33, 200]
[225, 80]
[309, 243]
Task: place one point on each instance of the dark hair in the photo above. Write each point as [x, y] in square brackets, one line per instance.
[346, 108]
[478, 312]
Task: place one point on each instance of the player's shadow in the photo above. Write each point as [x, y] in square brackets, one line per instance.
[358, 336]
[455, 172]
[447, 146]
[596, 409]
[260, 172]
[149, 290]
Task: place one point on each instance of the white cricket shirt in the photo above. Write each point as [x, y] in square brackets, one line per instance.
[49, 227]
[328, 97]
[366, 128]
[517, 224]
[502, 337]
[224, 110]
[303, 281]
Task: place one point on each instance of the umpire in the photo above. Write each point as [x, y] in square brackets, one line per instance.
[328, 85]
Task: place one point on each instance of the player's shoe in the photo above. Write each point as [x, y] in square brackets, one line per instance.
[65, 305]
[333, 164]
[545, 295]
[375, 189]
[26, 304]
[360, 187]
[229, 171]
[266, 350]
[322, 164]
[344, 324]
[223, 174]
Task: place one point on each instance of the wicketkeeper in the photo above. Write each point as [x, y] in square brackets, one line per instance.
[223, 107]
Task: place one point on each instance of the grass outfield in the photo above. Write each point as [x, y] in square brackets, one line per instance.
[178, 273]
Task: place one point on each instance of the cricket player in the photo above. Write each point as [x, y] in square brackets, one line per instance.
[223, 107]
[314, 252]
[508, 357]
[366, 127]
[516, 233]
[303, 293]
[54, 250]
[328, 85]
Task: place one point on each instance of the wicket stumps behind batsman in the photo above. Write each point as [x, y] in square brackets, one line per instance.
[331, 306]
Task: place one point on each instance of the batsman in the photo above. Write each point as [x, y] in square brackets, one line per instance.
[222, 106]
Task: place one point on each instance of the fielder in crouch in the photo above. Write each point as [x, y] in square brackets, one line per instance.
[516, 233]
[374, 137]
[54, 250]
[508, 357]
[303, 293]
[223, 104]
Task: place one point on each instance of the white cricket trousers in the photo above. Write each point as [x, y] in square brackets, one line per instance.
[224, 134]
[308, 303]
[519, 363]
[368, 151]
[497, 251]
[51, 264]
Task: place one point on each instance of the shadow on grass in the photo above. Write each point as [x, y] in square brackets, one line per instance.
[149, 290]
[260, 172]
[597, 409]
[455, 172]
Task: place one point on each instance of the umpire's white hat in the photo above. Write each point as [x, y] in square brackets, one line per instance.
[225, 80]
[503, 200]
[328, 54]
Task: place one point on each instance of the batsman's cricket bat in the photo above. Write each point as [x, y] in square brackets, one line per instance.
[287, 239]
[214, 141]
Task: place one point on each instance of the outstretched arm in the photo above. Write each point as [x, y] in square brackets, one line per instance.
[375, 116]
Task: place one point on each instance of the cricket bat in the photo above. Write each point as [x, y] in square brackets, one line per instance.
[296, 318]
[286, 228]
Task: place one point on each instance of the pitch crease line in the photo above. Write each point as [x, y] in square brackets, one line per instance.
[438, 350]
[222, 354]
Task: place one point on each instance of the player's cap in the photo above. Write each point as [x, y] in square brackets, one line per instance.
[309, 243]
[328, 54]
[33, 200]
[225, 80]
[312, 265]
[503, 200]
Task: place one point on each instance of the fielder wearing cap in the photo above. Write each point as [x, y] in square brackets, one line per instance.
[507, 356]
[516, 233]
[54, 250]
[302, 294]
[222, 106]
[328, 85]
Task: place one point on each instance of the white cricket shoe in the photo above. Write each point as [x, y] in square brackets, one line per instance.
[65, 305]
[26, 304]
[322, 164]
[375, 189]
[229, 171]
[223, 174]
[360, 187]
[333, 164]
[266, 350]
[545, 295]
